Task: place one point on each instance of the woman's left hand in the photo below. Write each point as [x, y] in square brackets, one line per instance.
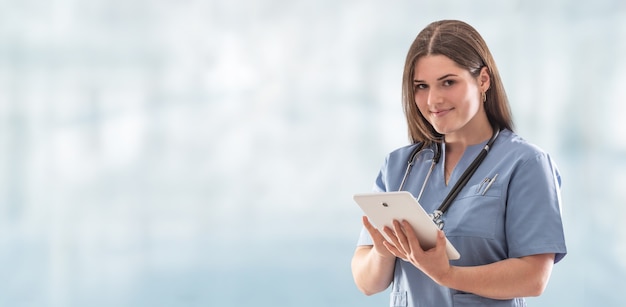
[405, 245]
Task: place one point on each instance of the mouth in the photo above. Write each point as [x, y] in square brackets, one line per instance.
[440, 113]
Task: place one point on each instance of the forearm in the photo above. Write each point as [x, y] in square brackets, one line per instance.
[510, 278]
[371, 271]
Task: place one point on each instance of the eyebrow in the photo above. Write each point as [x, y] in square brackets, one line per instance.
[438, 79]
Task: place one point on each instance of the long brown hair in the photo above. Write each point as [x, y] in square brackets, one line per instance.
[462, 44]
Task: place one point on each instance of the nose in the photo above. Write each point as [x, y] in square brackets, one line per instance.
[434, 96]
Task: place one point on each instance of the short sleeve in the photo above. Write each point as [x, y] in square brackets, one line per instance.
[533, 213]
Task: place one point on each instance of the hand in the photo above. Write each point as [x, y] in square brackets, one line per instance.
[405, 245]
[378, 238]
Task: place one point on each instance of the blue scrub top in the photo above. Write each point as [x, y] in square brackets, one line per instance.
[518, 215]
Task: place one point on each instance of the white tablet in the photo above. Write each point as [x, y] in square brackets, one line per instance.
[384, 207]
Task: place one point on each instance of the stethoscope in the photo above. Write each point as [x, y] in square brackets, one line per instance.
[465, 177]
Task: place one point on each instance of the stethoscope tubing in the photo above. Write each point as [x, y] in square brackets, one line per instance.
[419, 149]
[465, 177]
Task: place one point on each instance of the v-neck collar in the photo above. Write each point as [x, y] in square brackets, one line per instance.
[470, 153]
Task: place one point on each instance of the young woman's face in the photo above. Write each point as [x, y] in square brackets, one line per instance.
[448, 96]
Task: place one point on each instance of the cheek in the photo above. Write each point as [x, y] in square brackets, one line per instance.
[421, 101]
[472, 102]
[462, 94]
[469, 99]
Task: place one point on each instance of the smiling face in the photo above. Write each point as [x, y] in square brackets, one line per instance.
[450, 98]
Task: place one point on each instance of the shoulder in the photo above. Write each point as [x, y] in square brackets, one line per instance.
[510, 143]
[515, 151]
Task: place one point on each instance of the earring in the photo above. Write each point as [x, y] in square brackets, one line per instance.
[484, 94]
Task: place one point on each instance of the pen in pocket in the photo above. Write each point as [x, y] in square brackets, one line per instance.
[482, 183]
[490, 183]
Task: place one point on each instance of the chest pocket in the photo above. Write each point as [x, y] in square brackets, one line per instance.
[476, 214]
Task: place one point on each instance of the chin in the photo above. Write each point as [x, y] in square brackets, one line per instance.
[442, 130]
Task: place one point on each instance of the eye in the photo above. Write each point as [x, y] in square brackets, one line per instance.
[419, 86]
[448, 82]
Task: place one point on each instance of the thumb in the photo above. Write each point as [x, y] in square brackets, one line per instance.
[442, 243]
[441, 238]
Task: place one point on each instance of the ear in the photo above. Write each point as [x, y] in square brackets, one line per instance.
[484, 80]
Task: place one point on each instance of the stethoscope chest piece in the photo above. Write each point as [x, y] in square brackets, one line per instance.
[437, 217]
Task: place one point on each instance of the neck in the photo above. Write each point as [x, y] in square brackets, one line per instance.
[458, 141]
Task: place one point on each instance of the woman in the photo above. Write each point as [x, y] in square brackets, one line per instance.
[505, 220]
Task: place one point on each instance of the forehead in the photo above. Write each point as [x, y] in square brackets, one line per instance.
[435, 66]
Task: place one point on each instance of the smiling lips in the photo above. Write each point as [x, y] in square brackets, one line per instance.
[440, 113]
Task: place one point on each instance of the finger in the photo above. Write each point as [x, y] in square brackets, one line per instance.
[410, 233]
[366, 222]
[376, 235]
[401, 235]
[393, 236]
[370, 228]
[395, 246]
[413, 242]
[396, 236]
[394, 250]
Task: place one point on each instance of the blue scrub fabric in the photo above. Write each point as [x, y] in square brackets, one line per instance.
[518, 215]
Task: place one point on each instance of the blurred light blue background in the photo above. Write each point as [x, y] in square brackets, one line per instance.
[204, 153]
